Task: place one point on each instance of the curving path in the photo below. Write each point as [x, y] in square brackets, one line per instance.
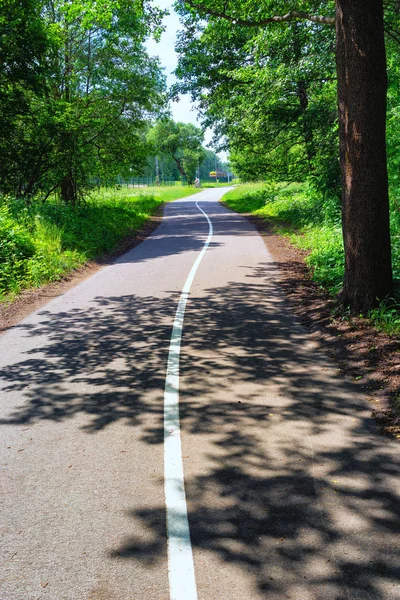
[290, 492]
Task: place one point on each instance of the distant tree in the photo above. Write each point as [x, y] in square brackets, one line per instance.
[167, 170]
[180, 141]
[211, 162]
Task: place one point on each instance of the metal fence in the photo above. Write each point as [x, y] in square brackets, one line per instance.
[132, 182]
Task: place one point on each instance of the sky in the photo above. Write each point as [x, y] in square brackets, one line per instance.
[184, 110]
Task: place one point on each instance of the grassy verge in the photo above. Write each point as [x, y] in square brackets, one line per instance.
[211, 184]
[44, 242]
[313, 224]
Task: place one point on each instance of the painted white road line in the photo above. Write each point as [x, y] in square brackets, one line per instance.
[182, 581]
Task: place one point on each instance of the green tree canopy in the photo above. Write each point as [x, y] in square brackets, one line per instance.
[361, 99]
[98, 89]
[24, 48]
[270, 94]
[180, 141]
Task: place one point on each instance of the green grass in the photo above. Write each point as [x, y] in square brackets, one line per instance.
[310, 223]
[211, 184]
[386, 317]
[44, 242]
[313, 224]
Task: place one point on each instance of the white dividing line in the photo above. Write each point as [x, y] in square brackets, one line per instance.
[182, 581]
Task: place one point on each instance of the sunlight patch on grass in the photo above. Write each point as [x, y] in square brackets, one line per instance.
[313, 224]
[44, 242]
[310, 224]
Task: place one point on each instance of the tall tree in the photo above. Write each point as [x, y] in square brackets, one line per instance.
[24, 46]
[105, 85]
[361, 74]
[98, 90]
[362, 86]
[180, 141]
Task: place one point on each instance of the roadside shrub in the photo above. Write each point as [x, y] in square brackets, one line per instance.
[16, 247]
[326, 255]
[43, 242]
[387, 316]
[50, 261]
[311, 221]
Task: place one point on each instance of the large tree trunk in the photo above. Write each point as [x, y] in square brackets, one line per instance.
[362, 83]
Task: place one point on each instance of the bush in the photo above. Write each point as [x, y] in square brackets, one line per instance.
[43, 242]
[16, 247]
[326, 255]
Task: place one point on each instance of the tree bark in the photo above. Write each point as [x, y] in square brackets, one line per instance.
[362, 85]
[68, 189]
[180, 167]
[307, 130]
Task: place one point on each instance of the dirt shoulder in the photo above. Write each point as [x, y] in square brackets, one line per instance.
[359, 350]
[32, 299]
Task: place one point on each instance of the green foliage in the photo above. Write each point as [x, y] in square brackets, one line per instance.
[24, 42]
[212, 162]
[43, 242]
[211, 185]
[168, 170]
[16, 248]
[77, 90]
[24, 47]
[269, 93]
[180, 141]
[326, 256]
[393, 126]
[386, 317]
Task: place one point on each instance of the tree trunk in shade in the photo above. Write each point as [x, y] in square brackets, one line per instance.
[362, 84]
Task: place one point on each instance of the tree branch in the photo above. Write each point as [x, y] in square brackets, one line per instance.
[293, 15]
[102, 130]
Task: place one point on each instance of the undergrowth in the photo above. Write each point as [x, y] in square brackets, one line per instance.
[313, 224]
[40, 243]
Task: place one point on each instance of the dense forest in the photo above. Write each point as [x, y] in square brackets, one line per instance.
[77, 90]
[205, 162]
[81, 98]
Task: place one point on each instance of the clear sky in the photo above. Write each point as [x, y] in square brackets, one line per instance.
[184, 110]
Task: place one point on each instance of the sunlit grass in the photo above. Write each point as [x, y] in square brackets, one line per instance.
[44, 242]
[313, 224]
[302, 217]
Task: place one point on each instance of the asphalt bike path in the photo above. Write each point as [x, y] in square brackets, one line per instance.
[271, 482]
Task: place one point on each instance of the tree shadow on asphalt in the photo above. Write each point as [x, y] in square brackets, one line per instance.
[313, 514]
[176, 234]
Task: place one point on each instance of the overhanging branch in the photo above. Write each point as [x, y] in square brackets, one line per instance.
[293, 15]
